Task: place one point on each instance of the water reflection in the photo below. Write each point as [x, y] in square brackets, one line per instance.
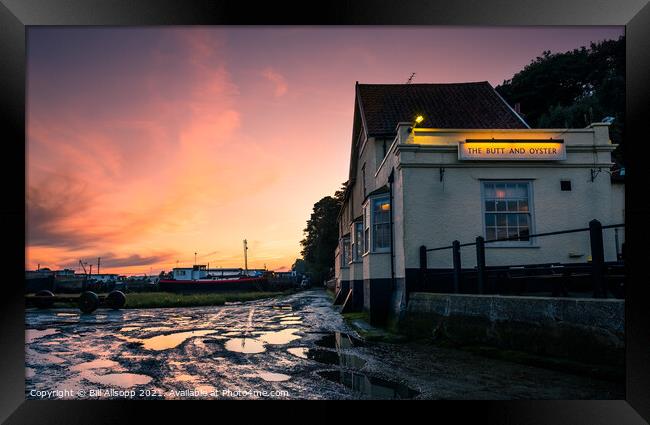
[339, 341]
[245, 345]
[33, 334]
[165, 342]
[372, 387]
[280, 337]
[94, 364]
[299, 351]
[273, 377]
[125, 380]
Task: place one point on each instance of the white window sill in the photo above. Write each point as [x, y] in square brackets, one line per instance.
[376, 252]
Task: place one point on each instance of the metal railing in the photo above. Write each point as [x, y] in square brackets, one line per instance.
[597, 267]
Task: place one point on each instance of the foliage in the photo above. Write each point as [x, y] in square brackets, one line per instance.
[572, 89]
[299, 266]
[321, 236]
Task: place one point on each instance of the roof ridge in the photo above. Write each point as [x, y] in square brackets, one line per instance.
[424, 84]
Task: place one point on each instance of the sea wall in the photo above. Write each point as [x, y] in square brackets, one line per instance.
[579, 329]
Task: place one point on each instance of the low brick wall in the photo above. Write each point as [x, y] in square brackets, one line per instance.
[579, 329]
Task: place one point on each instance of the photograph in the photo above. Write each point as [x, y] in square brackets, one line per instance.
[305, 212]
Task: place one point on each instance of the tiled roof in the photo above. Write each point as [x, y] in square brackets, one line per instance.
[454, 105]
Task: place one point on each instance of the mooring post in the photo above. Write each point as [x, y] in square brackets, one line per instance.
[423, 257]
[423, 267]
[480, 264]
[597, 258]
[457, 269]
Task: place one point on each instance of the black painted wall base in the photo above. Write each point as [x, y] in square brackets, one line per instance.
[377, 297]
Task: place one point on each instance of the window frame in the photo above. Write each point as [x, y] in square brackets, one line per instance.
[531, 211]
[356, 245]
[370, 225]
[345, 261]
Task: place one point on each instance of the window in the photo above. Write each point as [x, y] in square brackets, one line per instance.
[507, 210]
[376, 225]
[357, 240]
[366, 229]
[345, 252]
[380, 224]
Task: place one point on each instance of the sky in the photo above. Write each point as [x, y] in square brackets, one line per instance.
[147, 145]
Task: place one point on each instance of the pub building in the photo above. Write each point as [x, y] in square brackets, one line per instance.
[434, 163]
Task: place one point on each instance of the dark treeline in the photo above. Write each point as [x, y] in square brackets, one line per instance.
[573, 89]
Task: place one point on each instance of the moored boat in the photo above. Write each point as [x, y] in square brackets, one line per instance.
[199, 279]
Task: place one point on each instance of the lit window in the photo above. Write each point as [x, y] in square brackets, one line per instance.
[381, 224]
[507, 210]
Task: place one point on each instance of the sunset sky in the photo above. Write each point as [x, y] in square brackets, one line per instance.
[145, 145]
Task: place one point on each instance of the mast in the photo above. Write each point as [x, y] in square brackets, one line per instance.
[245, 257]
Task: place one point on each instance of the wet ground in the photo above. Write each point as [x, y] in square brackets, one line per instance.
[295, 347]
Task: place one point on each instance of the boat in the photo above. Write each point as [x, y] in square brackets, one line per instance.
[199, 279]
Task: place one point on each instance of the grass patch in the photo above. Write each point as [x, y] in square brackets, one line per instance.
[361, 315]
[359, 321]
[169, 299]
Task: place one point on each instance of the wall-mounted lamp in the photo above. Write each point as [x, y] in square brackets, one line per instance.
[418, 120]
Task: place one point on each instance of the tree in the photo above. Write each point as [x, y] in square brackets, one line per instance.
[299, 266]
[573, 89]
[322, 235]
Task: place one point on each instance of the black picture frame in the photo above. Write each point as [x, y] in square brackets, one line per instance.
[16, 15]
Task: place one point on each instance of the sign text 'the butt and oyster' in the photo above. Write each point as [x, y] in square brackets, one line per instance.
[511, 150]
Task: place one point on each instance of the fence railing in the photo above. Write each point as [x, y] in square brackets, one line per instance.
[597, 269]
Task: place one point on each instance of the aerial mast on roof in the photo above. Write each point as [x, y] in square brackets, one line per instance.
[410, 80]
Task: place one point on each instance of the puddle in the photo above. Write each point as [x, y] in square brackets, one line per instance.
[67, 314]
[291, 322]
[29, 372]
[339, 340]
[125, 380]
[206, 389]
[165, 342]
[282, 307]
[375, 388]
[33, 334]
[231, 333]
[129, 328]
[280, 337]
[273, 377]
[36, 358]
[287, 317]
[299, 351]
[94, 364]
[245, 345]
[340, 359]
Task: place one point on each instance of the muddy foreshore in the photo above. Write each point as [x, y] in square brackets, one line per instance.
[292, 347]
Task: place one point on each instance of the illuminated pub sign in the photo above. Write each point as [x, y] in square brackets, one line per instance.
[512, 150]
